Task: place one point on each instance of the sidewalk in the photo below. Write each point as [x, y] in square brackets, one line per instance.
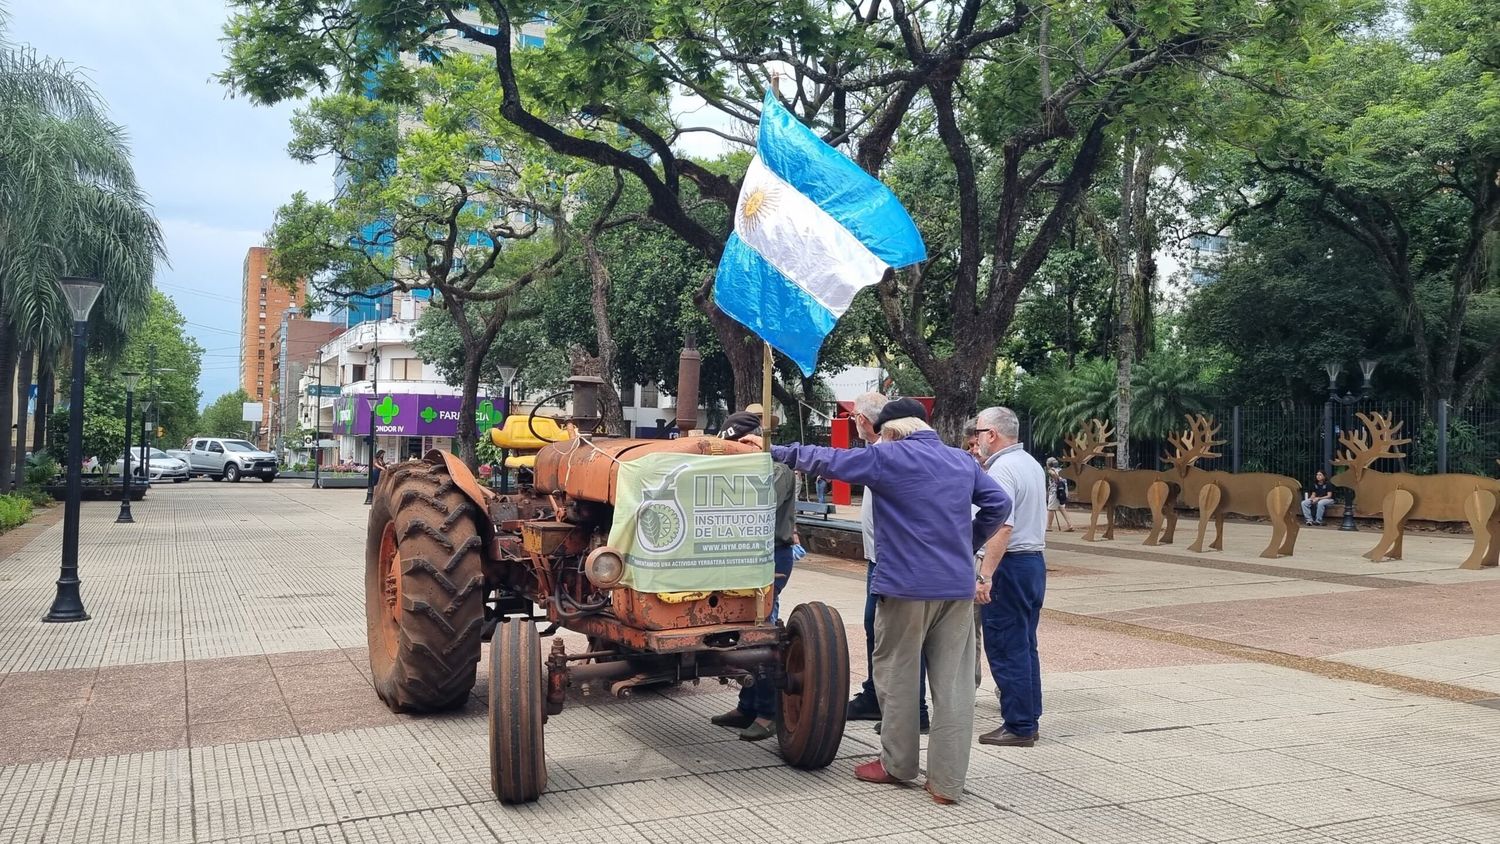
[221, 693]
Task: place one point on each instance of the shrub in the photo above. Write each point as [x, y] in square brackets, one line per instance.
[41, 469]
[15, 510]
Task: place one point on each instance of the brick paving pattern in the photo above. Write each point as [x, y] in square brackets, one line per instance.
[221, 694]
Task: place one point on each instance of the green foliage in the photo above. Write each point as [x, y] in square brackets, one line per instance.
[222, 417]
[103, 424]
[15, 510]
[1166, 385]
[41, 469]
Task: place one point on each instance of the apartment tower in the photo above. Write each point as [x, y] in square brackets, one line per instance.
[263, 303]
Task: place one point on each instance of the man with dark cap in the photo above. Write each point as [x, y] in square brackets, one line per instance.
[755, 714]
[925, 579]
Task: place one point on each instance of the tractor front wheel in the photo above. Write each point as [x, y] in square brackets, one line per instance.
[424, 589]
[815, 660]
[518, 765]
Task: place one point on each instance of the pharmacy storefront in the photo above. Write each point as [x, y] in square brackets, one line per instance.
[406, 424]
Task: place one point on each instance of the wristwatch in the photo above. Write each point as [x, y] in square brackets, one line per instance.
[981, 580]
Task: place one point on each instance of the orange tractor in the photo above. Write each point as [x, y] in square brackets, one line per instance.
[450, 563]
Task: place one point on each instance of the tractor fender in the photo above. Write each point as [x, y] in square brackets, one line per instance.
[464, 480]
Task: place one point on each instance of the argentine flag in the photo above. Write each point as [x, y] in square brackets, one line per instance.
[810, 230]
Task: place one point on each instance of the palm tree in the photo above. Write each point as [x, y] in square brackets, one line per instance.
[69, 204]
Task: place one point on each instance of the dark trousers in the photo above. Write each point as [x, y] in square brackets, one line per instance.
[869, 685]
[759, 700]
[1010, 620]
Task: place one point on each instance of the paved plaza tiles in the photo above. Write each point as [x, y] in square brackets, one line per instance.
[221, 693]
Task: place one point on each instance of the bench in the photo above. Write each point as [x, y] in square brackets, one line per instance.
[815, 508]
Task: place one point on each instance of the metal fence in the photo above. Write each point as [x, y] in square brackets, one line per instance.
[1296, 440]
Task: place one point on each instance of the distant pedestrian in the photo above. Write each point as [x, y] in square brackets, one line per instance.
[1057, 498]
[1012, 587]
[755, 713]
[377, 467]
[865, 706]
[925, 582]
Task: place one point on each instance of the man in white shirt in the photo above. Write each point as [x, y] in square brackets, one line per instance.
[1016, 583]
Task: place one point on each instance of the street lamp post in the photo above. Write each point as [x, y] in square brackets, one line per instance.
[1346, 401]
[318, 428]
[67, 605]
[131, 379]
[509, 374]
[147, 405]
[374, 391]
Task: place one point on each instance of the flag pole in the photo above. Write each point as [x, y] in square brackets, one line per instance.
[765, 396]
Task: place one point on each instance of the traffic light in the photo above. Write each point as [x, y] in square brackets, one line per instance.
[160, 432]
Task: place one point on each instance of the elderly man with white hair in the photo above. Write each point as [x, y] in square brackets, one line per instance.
[925, 585]
[1008, 621]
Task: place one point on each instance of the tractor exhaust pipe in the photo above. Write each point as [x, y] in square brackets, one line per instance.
[688, 366]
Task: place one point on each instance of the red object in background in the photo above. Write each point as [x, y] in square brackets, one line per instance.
[841, 435]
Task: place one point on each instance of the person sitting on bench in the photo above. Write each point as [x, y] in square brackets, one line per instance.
[1319, 497]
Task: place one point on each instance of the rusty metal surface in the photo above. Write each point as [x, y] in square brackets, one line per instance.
[642, 609]
[465, 481]
[711, 638]
[586, 469]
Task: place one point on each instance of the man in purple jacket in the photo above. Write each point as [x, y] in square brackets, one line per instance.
[926, 583]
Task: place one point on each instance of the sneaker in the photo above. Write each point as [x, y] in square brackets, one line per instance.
[1318, 524]
[1310, 524]
[1001, 737]
[924, 726]
[863, 707]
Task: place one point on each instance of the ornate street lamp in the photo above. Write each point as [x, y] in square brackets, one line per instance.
[508, 376]
[131, 380]
[374, 397]
[81, 294]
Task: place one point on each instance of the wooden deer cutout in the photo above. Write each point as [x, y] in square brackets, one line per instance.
[1218, 494]
[1401, 495]
[1111, 488]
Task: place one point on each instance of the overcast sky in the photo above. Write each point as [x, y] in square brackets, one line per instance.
[215, 169]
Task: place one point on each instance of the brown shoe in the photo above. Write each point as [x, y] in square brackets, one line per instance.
[1002, 737]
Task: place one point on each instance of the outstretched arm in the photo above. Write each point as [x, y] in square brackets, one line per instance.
[855, 466]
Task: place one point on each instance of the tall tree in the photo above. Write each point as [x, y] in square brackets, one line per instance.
[224, 416]
[69, 204]
[1392, 138]
[1016, 111]
[445, 204]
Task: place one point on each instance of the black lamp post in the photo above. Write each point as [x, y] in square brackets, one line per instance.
[147, 405]
[374, 397]
[1346, 401]
[80, 293]
[318, 427]
[508, 373]
[131, 380]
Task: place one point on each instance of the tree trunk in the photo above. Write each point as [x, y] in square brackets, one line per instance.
[468, 429]
[23, 395]
[1124, 304]
[742, 348]
[8, 355]
[611, 411]
[609, 400]
[43, 402]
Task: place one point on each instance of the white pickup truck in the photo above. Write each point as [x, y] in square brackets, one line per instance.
[227, 459]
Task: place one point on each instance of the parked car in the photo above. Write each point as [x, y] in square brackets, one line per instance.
[161, 466]
[229, 460]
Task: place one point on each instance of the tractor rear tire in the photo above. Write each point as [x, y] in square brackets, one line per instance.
[424, 590]
[518, 763]
[815, 660]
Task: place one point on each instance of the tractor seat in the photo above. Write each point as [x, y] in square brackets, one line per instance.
[515, 434]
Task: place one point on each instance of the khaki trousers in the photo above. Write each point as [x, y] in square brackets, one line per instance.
[943, 631]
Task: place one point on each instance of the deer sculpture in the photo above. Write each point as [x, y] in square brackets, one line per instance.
[1219, 493]
[1111, 488]
[1402, 495]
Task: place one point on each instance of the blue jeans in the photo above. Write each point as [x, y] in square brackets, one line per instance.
[869, 685]
[1307, 508]
[1010, 620]
[759, 700]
